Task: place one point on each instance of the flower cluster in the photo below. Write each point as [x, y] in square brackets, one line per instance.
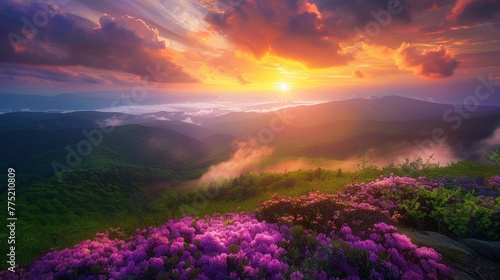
[494, 183]
[379, 253]
[477, 186]
[320, 212]
[219, 247]
[240, 247]
[344, 237]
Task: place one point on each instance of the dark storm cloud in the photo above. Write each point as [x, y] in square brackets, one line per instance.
[122, 44]
[350, 13]
[472, 11]
[426, 5]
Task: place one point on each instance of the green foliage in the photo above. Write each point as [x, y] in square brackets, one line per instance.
[411, 208]
[456, 169]
[453, 212]
[494, 156]
[412, 168]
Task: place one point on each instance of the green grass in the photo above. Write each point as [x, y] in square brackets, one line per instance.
[328, 182]
[32, 239]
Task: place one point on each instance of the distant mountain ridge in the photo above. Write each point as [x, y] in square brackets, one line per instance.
[62, 102]
[387, 109]
[12, 102]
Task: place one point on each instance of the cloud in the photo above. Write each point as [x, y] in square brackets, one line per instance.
[357, 74]
[242, 80]
[494, 139]
[480, 59]
[113, 121]
[118, 81]
[427, 5]
[296, 31]
[125, 44]
[432, 29]
[189, 120]
[430, 63]
[155, 117]
[304, 6]
[90, 79]
[204, 112]
[14, 72]
[316, 33]
[470, 11]
[348, 14]
[484, 147]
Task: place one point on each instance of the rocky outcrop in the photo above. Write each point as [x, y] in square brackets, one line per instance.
[447, 247]
[470, 258]
[485, 249]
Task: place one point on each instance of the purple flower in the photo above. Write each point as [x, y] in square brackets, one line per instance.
[156, 263]
[427, 253]
[296, 276]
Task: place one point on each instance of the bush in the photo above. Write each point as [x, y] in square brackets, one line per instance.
[463, 207]
[239, 247]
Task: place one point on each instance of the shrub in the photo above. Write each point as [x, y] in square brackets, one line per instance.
[243, 248]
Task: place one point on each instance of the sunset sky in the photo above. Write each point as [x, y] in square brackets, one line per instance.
[329, 49]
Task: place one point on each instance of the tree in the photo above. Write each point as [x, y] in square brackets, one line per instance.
[169, 205]
[141, 204]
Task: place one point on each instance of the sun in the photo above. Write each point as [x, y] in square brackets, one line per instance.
[284, 93]
[284, 87]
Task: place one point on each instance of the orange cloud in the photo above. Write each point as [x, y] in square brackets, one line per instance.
[358, 74]
[296, 32]
[305, 6]
[431, 63]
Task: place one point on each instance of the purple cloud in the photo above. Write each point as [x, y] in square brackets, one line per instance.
[125, 44]
[470, 11]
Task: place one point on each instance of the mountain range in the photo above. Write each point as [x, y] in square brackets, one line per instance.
[338, 130]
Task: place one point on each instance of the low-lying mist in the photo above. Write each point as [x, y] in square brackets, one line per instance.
[244, 160]
[251, 158]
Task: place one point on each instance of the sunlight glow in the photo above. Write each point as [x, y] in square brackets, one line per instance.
[284, 92]
[283, 87]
